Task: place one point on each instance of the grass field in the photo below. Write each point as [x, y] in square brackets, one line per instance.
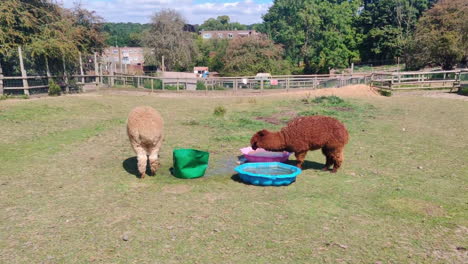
[69, 191]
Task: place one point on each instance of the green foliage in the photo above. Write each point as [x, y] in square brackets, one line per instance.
[221, 23]
[441, 37]
[385, 26]
[219, 111]
[201, 85]
[463, 91]
[157, 84]
[124, 34]
[317, 33]
[7, 96]
[166, 37]
[54, 89]
[328, 100]
[385, 92]
[249, 56]
[211, 53]
[47, 31]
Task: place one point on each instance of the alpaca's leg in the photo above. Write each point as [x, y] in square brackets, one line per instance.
[338, 157]
[142, 160]
[329, 161]
[154, 157]
[300, 157]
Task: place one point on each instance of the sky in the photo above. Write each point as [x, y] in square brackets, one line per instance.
[194, 11]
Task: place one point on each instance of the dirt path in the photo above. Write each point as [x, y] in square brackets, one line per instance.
[347, 91]
[434, 94]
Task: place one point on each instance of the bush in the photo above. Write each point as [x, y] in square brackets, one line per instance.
[385, 93]
[328, 100]
[8, 96]
[54, 89]
[463, 91]
[201, 85]
[219, 111]
[73, 86]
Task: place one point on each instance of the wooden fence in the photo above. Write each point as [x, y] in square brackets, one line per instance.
[397, 81]
[39, 84]
[394, 81]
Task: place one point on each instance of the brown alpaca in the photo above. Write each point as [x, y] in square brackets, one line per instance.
[145, 131]
[307, 133]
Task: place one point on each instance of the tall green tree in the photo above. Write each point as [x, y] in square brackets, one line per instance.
[251, 55]
[385, 26]
[167, 38]
[316, 33]
[211, 53]
[46, 31]
[221, 23]
[124, 34]
[441, 37]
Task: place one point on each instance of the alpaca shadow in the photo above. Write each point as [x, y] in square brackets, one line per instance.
[307, 165]
[237, 178]
[131, 166]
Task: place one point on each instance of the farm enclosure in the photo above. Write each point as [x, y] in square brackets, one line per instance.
[69, 191]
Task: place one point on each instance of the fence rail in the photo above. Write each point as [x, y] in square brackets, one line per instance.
[393, 81]
[38, 84]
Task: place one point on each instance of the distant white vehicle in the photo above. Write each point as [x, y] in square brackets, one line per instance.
[262, 76]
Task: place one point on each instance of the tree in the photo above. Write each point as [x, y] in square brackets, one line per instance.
[385, 26]
[221, 23]
[441, 36]
[46, 31]
[167, 38]
[211, 53]
[251, 55]
[124, 34]
[317, 33]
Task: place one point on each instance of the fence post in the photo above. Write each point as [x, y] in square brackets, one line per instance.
[261, 85]
[100, 74]
[81, 70]
[23, 72]
[65, 76]
[96, 68]
[120, 60]
[162, 84]
[112, 73]
[152, 84]
[1, 79]
[177, 84]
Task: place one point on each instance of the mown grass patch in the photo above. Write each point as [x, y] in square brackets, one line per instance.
[70, 194]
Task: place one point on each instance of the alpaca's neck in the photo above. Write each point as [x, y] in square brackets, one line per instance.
[275, 142]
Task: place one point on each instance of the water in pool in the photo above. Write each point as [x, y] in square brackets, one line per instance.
[269, 170]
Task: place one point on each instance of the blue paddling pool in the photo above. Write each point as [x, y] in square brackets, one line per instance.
[268, 173]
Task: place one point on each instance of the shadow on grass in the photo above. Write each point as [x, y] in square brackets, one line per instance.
[238, 179]
[131, 166]
[307, 165]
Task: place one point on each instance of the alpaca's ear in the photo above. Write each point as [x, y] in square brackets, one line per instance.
[262, 132]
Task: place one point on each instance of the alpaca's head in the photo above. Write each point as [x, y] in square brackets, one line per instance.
[258, 140]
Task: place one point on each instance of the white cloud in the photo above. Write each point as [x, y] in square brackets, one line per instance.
[245, 12]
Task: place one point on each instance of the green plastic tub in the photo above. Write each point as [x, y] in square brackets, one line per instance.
[190, 163]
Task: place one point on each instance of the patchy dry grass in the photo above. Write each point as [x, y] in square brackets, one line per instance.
[69, 193]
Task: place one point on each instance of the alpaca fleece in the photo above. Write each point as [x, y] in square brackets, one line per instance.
[307, 133]
[145, 131]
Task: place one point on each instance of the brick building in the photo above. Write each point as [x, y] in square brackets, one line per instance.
[228, 34]
[131, 58]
